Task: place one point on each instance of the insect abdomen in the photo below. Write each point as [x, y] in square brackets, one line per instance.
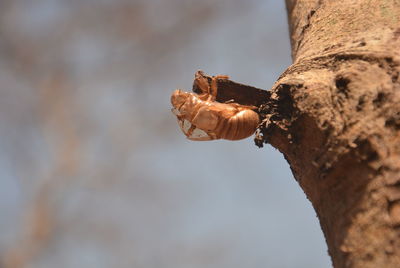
[240, 126]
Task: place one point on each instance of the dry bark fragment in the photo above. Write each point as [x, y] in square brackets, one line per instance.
[229, 90]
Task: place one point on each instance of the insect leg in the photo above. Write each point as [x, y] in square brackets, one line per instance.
[190, 130]
[202, 82]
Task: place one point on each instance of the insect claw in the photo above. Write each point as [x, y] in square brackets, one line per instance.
[221, 76]
[202, 82]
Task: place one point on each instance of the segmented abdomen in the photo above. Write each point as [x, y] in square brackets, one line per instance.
[239, 126]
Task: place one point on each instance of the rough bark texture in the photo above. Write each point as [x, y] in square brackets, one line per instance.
[335, 115]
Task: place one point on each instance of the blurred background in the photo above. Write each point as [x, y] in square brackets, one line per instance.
[94, 171]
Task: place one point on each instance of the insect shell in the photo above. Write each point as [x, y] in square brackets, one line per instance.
[201, 118]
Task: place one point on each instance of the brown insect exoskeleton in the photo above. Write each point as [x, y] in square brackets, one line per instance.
[202, 118]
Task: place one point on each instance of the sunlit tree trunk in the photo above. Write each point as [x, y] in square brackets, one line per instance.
[335, 115]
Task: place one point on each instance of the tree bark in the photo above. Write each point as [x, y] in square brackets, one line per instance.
[335, 115]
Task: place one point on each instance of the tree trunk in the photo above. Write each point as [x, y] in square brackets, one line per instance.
[335, 115]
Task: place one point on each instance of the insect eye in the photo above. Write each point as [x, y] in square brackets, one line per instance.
[175, 111]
